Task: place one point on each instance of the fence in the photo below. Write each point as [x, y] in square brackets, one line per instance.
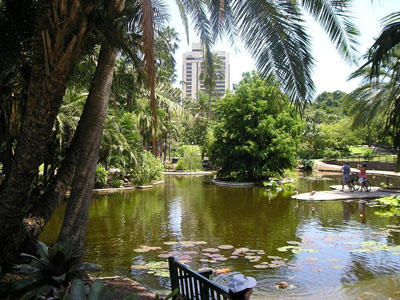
[193, 285]
[374, 158]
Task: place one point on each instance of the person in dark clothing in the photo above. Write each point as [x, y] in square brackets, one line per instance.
[346, 173]
[241, 287]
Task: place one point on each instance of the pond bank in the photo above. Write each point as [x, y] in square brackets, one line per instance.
[124, 287]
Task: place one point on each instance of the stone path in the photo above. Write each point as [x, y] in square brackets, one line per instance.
[327, 167]
[337, 194]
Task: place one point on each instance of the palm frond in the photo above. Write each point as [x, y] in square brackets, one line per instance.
[336, 20]
[380, 51]
[275, 35]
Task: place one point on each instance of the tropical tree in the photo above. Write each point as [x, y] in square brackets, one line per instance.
[257, 132]
[211, 71]
[379, 99]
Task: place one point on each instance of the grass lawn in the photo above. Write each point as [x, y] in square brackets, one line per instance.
[361, 151]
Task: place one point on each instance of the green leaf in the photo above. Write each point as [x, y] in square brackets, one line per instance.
[36, 259]
[96, 290]
[86, 266]
[43, 250]
[27, 269]
[174, 293]
[23, 283]
[60, 278]
[78, 290]
[108, 294]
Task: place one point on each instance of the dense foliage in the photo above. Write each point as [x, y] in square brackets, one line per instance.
[257, 132]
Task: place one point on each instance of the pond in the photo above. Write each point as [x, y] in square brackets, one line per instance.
[338, 249]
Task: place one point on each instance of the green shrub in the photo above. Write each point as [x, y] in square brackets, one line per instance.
[115, 183]
[368, 154]
[191, 160]
[308, 164]
[50, 273]
[331, 154]
[101, 177]
[272, 184]
[148, 168]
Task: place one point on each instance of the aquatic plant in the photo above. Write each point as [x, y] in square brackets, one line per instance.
[392, 206]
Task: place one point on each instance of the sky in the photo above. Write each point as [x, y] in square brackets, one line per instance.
[330, 70]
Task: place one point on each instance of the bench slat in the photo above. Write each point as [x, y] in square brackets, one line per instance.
[192, 285]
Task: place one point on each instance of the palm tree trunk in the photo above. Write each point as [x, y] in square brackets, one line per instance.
[77, 213]
[59, 36]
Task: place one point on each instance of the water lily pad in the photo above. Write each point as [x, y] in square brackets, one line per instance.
[203, 260]
[190, 252]
[233, 256]
[164, 255]
[139, 267]
[393, 226]
[211, 250]
[199, 242]
[185, 261]
[260, 252]
[170, 243]
[225, 247]
[242, 249]
[295, 268]
[296, 249]
[188, 245]
[144, 248]
[337, 267]
[293, 243]
[141, 250]
[261, 266]
[274, 257]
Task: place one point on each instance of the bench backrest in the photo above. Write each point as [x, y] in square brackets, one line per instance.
[193, 285]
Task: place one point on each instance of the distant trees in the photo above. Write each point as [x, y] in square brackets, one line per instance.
[257, 132]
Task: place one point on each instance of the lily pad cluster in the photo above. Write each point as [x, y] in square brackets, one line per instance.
[157, 268]
[296, 247]
[374, 247]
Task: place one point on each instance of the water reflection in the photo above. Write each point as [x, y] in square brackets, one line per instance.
[192, 209]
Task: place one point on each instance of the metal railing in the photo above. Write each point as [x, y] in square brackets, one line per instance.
[194, 285]
[373, 158]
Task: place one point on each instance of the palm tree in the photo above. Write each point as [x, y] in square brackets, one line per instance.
[210, 73]
[379, 99]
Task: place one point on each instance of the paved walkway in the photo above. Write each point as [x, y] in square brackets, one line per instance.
[334, 168]
[337, 194]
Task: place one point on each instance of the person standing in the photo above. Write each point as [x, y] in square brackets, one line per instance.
[346, 173]
[363, 174]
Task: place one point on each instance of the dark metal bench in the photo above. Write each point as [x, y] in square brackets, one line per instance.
[194, 285]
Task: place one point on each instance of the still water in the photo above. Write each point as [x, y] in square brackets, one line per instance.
[337, 249]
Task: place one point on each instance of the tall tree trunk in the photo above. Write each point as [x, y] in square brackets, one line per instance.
[59, 36]
[77, 213]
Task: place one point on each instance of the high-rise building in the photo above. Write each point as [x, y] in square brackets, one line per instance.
[191, 70]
